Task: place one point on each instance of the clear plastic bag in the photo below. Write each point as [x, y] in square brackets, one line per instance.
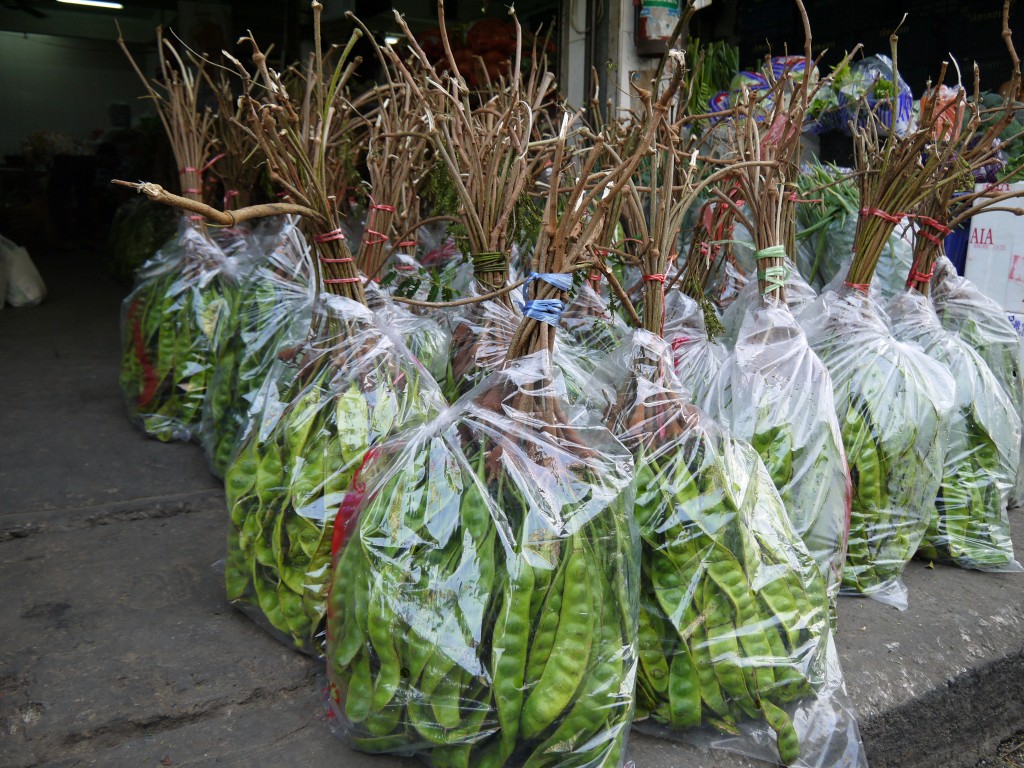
[483, 608]
[356, 386]
[273, 316]
[426, 338]
[984, 325]
[736, 648]
[969, 525]
[480, 340]
[774, 392]
[799, 294]
[168, 326]
[894, 406]
[590, 322]
[697, 359]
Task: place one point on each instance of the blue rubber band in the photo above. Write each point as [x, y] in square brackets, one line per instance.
[560, 280]
[544, 310]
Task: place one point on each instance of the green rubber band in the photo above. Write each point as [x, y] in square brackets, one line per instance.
[771, 252]
[774, 277]
[489, 261]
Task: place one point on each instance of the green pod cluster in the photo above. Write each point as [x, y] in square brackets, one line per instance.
[969, 525]
[894, 406]
[985, 327]
[734, 611]
[775, 392]
[169, 326]
[294, 476]
[273, 314]
[509, 642]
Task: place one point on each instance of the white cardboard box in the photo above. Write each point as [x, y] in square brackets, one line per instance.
[995, 256]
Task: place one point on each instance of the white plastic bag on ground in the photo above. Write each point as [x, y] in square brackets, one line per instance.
[25, 286]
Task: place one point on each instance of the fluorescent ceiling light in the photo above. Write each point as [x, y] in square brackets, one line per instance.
[94, 4]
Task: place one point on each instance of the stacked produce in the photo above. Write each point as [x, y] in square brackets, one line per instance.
[273, 315]
[734, 622]
[983, 325]
[773, 390]
[519, 620]
[172, 318]
[508, 522]
[894, 403]
[970, 525]
[734, 613]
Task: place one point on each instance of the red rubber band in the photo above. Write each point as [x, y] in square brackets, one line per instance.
[191, 191]
[188, 169]
[794, 198]
[207, 167]
[405, 267]
[920, 277]
[336, 261]
[406, 244]
[378, 237]
[929, 236]
[862, 287]
[388, 208]
[891, 218]
[340, 280]
[326, 237]
[928, 221]
[657, 278]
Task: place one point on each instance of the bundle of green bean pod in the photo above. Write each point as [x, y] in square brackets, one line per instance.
[894, 406]
[697, 359]
[775, 392]
[273, 315]
[169, 323]
[983, 324]
[483, 609]
[736, 649]
[969, 526]
[356, 386]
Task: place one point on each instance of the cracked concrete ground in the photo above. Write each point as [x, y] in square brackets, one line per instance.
[117, 647]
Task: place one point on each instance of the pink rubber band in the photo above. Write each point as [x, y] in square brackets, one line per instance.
[326, 237]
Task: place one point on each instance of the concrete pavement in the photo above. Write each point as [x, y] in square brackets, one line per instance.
[117, 647]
